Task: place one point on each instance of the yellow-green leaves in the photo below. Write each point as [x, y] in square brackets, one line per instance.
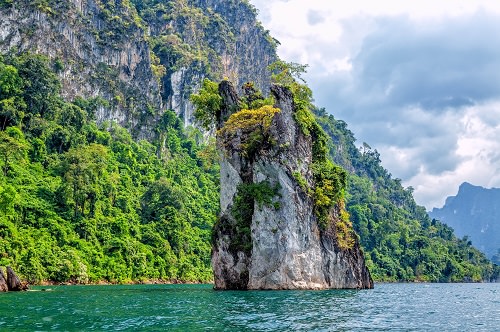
[260, 118]
[207, 103]
[158, 69]
[253, 125]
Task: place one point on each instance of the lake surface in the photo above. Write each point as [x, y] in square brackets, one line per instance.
[396, 307]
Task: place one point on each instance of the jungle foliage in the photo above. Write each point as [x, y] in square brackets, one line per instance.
[400, 241]
[81, 202]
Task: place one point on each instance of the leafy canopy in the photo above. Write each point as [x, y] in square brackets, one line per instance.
[83, 202]
[207, 104]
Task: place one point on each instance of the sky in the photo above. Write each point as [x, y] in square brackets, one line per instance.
[419, 81]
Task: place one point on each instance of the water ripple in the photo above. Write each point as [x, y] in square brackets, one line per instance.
[389, 307]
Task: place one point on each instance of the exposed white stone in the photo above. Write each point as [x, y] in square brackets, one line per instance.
[71, 38]
[288, 249]
[230, 179]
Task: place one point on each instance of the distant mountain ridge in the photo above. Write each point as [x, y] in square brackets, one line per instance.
[474, 212]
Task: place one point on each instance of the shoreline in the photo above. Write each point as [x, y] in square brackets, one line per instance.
[128, 282]
[181, 282]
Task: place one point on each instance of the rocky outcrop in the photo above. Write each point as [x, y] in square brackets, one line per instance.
[11, 283]
[268, 235]
[3, 282]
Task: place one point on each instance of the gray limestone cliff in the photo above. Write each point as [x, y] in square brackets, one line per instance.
[212, 39]
[100, 51]
[139, 57]
[268, 235]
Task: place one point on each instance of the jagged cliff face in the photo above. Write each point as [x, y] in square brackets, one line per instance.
[285, 247]
[140, 56]
[207, 39]
[98, 54]
[252, 49]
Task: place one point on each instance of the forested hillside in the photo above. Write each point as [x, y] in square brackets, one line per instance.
[83, 199]
[401, 242]
[81, 202]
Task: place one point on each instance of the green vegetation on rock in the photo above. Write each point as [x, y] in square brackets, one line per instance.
[254, 125]
[330, 180]
[247, 196]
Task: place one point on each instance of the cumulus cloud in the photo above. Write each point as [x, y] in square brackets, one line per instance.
[411, 88]
[419, 84]
[315, 17]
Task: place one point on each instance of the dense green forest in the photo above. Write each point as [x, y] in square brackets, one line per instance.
[82, 202]
[400, 241]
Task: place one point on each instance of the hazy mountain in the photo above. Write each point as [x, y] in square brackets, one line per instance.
[474, 212]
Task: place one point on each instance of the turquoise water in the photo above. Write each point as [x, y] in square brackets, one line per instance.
[396, 307]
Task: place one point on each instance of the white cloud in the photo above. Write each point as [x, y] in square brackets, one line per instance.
[417, 80]
[478, 152]
[289, 20]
